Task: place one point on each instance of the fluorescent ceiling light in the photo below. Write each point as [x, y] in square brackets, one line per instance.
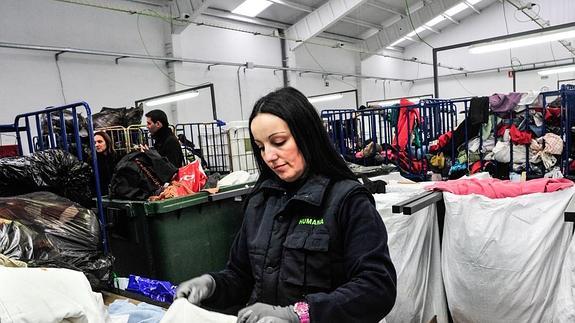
[557, 70]
[172, 98]
[251, 8]
[395, 43]
[328, 97]
[435, 21]
[416, 31]
[521, 42]
[456, 9]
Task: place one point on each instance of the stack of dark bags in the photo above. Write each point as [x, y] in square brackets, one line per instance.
[139, 175]
[109, 117]
[46, 230]
[68, 122]
[44, 227]
[51, 170]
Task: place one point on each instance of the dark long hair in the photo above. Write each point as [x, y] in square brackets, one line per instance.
[109, 144]
[311, 138]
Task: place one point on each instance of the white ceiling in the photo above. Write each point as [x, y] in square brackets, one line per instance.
[371, 24]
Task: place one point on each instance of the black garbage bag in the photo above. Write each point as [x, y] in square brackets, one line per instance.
[108, 117]
[44, 229]
[17, 176]
[68, 121]
[133, 116]
[138, 175]
[62, 173]
[51, 170]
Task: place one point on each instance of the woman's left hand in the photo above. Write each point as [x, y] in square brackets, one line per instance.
[264, 313]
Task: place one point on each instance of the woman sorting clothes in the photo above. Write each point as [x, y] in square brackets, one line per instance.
[312, 246]
[107, 159]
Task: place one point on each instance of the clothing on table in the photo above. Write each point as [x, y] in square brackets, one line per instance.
[143, 312]
[291, 248]
[48, 295]
[168, 145]
[494, 188]
[182, 311]
[6, 261]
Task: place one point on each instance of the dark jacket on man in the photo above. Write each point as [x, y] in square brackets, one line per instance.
[322, 242]
[168, 145]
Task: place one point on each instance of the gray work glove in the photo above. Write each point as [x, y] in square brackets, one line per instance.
[264, 313]
[197, 289]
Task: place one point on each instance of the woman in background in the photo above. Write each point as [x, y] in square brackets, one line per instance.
[107, 159]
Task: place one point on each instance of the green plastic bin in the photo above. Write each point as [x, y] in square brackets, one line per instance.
[174, 239]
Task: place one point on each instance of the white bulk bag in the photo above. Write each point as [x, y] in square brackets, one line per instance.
[565, 303]
[501, 258]
[413, 242]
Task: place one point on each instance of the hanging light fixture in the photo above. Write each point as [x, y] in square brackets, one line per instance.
[534, 39]
[327, 97]
[251, 8]
[172, 98]
[556, 70]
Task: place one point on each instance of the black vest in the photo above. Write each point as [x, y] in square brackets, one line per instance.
[294, 243]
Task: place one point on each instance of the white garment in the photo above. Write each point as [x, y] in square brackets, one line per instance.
[234, 178]
[530, 98]
[48, 295]
[501, 258]
[413, 242]
[182, 311]
[501, 153]
[564, 311]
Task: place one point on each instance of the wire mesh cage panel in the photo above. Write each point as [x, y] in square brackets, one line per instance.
[120, 139]
[240, 147]
[138, 135]
[398, 135]
[67, 128]
[206, 141]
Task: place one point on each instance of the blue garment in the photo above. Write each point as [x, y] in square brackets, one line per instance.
[538, 131]
[142, 312]
[158, 290]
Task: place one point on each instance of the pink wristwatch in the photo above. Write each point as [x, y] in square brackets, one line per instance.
[302, 311]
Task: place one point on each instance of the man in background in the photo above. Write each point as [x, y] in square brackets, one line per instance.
[166, 143]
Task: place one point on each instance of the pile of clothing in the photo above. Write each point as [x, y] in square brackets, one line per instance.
[501, 133]
[405, 149]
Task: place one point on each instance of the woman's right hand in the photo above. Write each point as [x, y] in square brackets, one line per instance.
[196, 289]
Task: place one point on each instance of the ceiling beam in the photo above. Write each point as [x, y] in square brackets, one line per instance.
[320, 19]
[189, 9]
[293, 5]
[426, 11]
[309, 9]
[224, 14]
[385, 7]
[219, 13]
